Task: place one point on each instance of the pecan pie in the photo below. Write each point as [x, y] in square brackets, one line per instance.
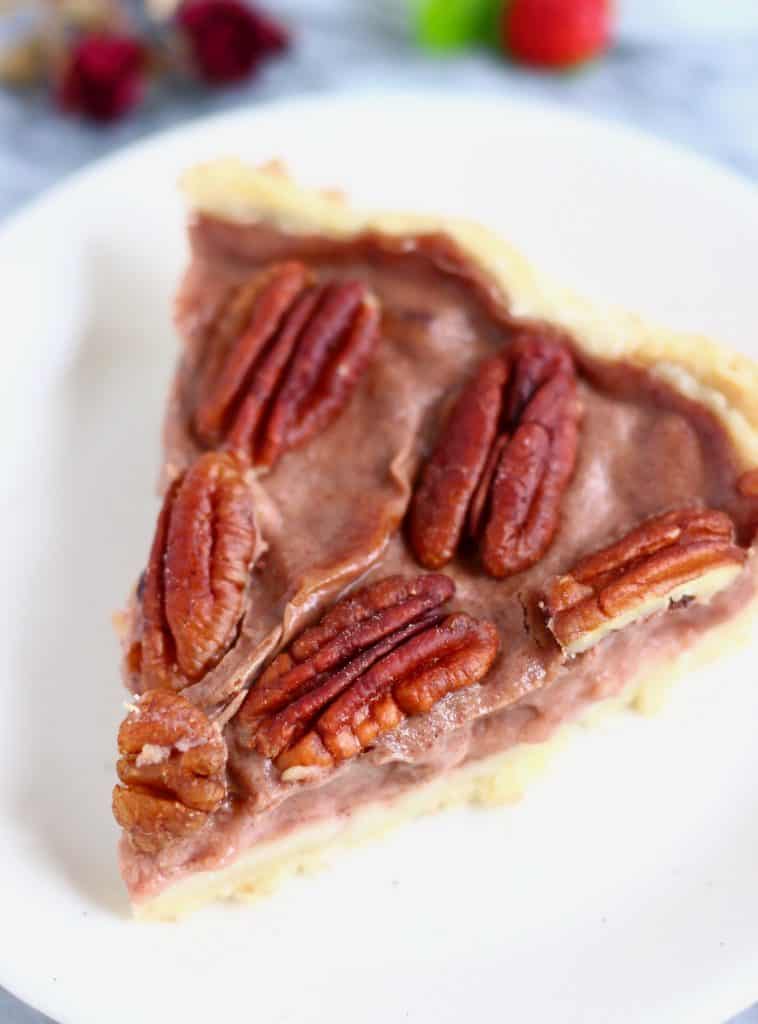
[420, 510]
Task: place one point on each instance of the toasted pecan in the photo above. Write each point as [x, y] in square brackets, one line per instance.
[172, 770]
[502, 461]
[747, 484]
[670, 559]
[194, 589]
[292, 366]
[381, 654]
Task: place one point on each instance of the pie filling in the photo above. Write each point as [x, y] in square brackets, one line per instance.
[404, 531]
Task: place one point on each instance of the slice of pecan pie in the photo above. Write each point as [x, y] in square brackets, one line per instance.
[420, 509]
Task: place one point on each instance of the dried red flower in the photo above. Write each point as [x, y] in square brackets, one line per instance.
[104, 76]
[228, 39]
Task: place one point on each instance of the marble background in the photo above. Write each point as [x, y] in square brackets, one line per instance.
[689, 74]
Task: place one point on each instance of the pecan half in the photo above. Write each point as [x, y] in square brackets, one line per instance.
[667, 561]
[292, 365]
[747, 484]
[502, 461]
[172, 770]
[381, 654]
[193, 593]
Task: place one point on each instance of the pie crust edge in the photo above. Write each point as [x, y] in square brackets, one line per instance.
[497, 780]
[720, 378]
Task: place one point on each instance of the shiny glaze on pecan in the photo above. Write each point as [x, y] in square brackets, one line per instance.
[502, 461]
[668, 560]
[284, 360]
[747, 484]
[172, 770]
[194, 589]
[380, 654]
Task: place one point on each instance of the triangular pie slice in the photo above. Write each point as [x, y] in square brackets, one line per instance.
[421, 510]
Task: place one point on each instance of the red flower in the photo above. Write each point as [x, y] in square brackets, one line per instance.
[104, 76]
[228, 39]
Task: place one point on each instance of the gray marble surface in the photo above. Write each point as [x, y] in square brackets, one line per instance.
[694, 87]
[692, 81]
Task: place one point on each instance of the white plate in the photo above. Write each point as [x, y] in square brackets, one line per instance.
[624, 888]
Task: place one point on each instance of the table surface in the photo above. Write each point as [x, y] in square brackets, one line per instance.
[691, 79]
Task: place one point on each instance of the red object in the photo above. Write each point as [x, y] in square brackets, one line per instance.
[556, 33]
[104, 76]
[228, 39]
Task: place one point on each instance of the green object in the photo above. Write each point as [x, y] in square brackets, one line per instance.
[450, 24]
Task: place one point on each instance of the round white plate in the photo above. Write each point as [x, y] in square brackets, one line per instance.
[624, 887]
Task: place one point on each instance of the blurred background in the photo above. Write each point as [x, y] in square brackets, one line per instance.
[80, 78]
[83, 77]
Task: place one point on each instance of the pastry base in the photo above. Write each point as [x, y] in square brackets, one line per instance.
[500, 779]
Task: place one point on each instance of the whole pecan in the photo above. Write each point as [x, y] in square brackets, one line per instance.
[502, 461]
[193, 592]
[380, 654]
[668, 560]
[172, 770]
[284, 360]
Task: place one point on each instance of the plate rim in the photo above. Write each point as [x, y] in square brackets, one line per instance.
[581, 120]
[64, 191]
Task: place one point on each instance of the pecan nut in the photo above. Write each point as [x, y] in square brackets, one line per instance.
[379, 655]
[194, 589]
[669, 560]
[279, 372]
[747, 485]
[502, 462]
[172, 770]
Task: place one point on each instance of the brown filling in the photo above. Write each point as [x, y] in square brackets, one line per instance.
[330, 512]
